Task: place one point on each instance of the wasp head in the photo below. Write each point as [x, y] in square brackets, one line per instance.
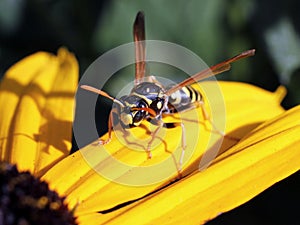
[135, 110]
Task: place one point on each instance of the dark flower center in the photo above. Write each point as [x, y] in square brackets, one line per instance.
[25, 200]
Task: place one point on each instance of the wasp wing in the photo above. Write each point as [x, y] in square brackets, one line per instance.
[212, 71]
[139, 43]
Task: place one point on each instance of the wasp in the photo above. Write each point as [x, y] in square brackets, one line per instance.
[150, 100]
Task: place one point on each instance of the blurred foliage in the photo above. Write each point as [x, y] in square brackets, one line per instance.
[213, 29]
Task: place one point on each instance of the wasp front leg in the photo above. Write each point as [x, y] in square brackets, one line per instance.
[110, 127]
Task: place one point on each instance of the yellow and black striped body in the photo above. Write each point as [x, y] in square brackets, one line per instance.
[183, 99]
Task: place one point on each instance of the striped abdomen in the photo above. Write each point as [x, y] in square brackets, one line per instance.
[183, 99]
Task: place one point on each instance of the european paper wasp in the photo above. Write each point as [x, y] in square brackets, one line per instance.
[150, 100]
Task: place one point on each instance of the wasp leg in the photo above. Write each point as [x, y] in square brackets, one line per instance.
[153, 135]
[161, 124]
[183, 146]
[207, 117]
[110, 126]
[183, 141]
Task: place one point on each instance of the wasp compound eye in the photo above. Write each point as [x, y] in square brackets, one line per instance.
[139, 116]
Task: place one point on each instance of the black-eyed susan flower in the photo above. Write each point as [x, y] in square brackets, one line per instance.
[112, 184]
[36, 107]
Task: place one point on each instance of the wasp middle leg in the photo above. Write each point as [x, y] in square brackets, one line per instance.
[161, 124]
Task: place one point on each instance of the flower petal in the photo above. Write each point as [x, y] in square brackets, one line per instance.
[36, 102]
[92, 178]
[263, 158]
[93, 218]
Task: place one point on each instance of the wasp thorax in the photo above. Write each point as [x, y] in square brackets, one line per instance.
[157, 105]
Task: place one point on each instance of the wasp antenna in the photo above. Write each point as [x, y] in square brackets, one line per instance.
[102, 93]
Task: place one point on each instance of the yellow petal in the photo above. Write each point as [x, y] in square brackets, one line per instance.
[36, 103]
[94, 178]
[251, 103]
[91, 219]
[263, 158]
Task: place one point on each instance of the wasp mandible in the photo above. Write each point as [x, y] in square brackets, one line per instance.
[150, 100]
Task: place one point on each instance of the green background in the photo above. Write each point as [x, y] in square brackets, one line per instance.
[213, 29]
